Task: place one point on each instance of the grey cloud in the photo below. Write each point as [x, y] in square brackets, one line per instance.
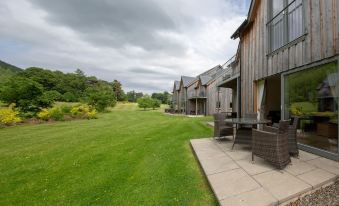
[114, 23]
[150, 71]
[145, 44]
[144, 71]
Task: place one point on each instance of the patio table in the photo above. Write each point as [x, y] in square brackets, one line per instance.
[244, 135]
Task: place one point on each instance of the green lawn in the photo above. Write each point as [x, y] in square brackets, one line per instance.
[126, 157]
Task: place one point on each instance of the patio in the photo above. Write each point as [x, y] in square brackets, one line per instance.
[235, 180]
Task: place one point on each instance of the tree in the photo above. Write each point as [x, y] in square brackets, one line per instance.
[145, 102]
[69, 97]
[131, 97]
[79, 72]
[117, 89]
[46, 78]
[156, 103]
[164, 97]
[138, 95]
[100, 96]
[48, 98]
[24, 92]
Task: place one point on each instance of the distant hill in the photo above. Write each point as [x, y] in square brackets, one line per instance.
[7, 70]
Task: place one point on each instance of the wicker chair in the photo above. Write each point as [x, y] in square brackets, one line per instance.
[292, 136]
[221, 128]
[271, 145]
[244, 132]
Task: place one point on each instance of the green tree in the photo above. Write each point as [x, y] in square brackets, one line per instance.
[145, 102]
[164, 97]
[117, 89]
[24, 92]
[131, 96]
[69, 97]
[100, 96]
[46, 78]
[48, 98]
[79, 72]
[138, 95]
[156, 103]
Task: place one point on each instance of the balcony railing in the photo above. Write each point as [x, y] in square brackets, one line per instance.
[197, 94]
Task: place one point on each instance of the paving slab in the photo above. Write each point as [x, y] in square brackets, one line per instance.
[256, 167]
[317, 177]
[230, 183]
[257, 197]
[225, 146]
[282, 185]
[305, 156]
[236, 181]
[326, 164]
[216, 165]
[299, 167]
[239, 154]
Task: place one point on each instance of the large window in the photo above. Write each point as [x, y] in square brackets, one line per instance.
[312, 95]
[285, 22]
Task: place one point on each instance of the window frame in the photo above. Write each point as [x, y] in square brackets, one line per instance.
[271, 18]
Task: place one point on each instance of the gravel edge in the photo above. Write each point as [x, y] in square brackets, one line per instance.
[327, 195]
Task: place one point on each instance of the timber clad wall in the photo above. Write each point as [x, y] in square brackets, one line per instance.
[190, 90]
[199, 95]
[319, 42]
[225, 97]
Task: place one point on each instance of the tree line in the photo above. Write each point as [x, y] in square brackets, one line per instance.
[35, 88]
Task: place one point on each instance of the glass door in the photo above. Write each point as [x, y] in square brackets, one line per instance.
[312, 95]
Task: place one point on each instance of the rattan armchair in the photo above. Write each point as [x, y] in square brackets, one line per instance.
[292, 136]
[222, 129]
[272, 144]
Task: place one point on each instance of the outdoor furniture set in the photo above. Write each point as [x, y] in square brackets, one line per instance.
[274, 144]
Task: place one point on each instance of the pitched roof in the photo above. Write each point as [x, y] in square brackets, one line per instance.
[187, 80]
[247, 21]
[205, 79]
[209, 75]
[176, 85]
[211, 71]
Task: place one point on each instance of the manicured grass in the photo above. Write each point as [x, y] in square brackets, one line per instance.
[126, 157]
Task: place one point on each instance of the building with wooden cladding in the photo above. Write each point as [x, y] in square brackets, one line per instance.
[175, 96]
[287, 65]
[200, 95]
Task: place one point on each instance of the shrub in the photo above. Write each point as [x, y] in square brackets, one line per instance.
[79, 110]
[145, 102]
[66, 109]
[91, 114]
[9, 116]
[84, 111]
[56, 114]
[44, 114]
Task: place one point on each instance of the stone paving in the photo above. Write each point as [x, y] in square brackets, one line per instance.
[235, 180]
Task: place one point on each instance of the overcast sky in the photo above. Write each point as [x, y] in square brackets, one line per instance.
[145, 44]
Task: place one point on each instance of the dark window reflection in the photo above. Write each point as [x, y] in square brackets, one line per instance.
[312, 95]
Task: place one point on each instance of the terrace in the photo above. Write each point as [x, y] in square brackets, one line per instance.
[235, 180]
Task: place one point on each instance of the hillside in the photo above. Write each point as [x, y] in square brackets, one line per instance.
[7, 70]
